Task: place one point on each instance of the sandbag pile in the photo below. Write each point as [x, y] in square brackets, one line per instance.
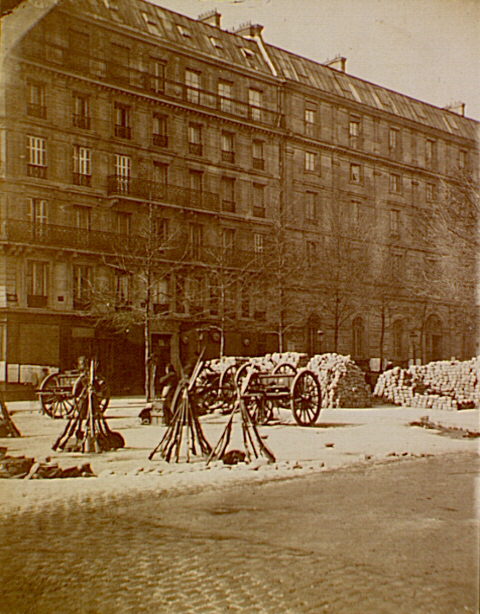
[341, 380]
[445, 384]
[25, 468]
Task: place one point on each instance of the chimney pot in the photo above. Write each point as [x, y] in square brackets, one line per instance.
[456, 107]
[339, 62]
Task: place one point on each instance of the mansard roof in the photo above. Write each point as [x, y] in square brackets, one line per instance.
[249, 53]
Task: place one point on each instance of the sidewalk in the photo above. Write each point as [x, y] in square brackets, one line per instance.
[341, 438]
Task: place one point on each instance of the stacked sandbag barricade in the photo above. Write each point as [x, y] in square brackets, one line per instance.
[342, 381]
[445, 384]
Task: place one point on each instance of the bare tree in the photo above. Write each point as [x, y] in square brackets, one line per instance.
[136, 287]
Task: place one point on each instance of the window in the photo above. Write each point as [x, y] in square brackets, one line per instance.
[397, 266]
[258, 243]
[122, 173]
[82, 172]
[245, 301]
[36, 100]
[151, 23]
[228, 147]
[38, 216]
[258, 155]
[395, 183]
[37, 283]
[430, 153]
[258, 200]
[394, 222]
[119, 68]
[309, 122]
[215, 42]
[123, 222]
[310, 161]
[255, 103]
[463, 159]
[82, 217]
[160, 296]
[195, 240]
[195, 139]
[227, 189]
[228, 239]
[354, 133]
[157, 75]
[355, 173]
[355, 213]
[311, 206]
[37, 157]
[81, 111]
[77, 54]
[196, 186]
[192, 82]
[122, 121]
[214, 299]
[180, 295]
[393, 140]
[123, 282]
[431, 192]
[311, 252]
[162, 229]
[82, 285]
[225, 96]
[160, 173]
[160, 136]
[185, 32]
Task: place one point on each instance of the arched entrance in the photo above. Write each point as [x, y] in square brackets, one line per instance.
[433, 339]
[358, 338]
[399, 342]
[314, 335]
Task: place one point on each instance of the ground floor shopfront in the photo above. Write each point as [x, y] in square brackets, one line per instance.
[34, 344]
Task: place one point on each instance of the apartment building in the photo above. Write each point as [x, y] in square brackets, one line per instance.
[285, 194]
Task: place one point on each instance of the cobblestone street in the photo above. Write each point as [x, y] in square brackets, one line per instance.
[397, 538]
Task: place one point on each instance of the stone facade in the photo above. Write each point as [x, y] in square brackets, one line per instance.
[253, 160]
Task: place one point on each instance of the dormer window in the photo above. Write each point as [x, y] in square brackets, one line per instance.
[184, 31]
[215, 42]
[152, 25]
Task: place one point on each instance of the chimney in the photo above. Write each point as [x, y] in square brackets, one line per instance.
[339, 62]
[213, 18]
[249, 30]
[456, 107]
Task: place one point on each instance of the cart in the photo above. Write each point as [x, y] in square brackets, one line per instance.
[58, 392]
[285, 386]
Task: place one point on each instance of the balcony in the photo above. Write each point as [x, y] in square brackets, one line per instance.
[258, 164]
[143, 81]
[123, 132]
[195, 148]
[83, 180]
[38, 301]
[258, 211]
[228, 156]
[228, 205]
[162, 193]
[37, 110]
[81, 121]
[160, 140]
[39, 172]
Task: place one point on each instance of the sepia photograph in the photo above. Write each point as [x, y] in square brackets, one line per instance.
[239, 306]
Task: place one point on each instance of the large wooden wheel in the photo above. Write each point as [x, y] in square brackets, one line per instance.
[306, 398]
[56, 396]
[285, 368]
[101, 387]
[227, 388]
[259, 408]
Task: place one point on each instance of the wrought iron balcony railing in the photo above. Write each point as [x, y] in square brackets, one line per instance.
[160, 192]
[142, 80]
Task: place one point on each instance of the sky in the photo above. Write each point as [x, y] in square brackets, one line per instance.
[427, 49]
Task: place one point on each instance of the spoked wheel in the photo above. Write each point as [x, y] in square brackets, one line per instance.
[259, 409]
[102, 390]
[306, 398]
[242, 373]
[227, 389]
[56, 399]
[285, 367]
